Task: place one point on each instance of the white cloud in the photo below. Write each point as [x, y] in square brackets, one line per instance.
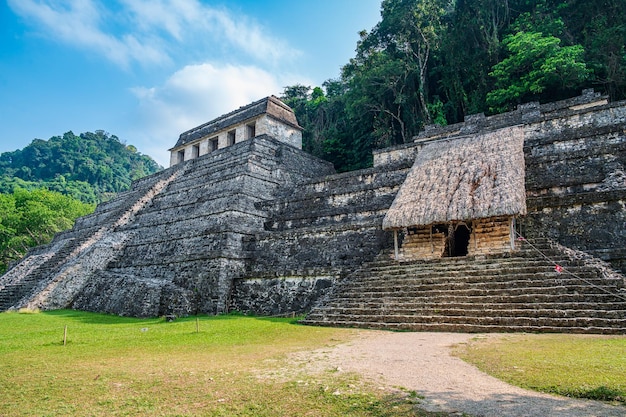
[194, 95]
[151, 31]
[78, 23]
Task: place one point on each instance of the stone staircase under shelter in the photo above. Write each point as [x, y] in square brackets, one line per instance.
[517, 292]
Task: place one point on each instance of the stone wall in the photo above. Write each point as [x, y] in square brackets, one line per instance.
[491, 236]
[316, 234]
[267, 125]
[487, 236]
[576, 180]
[280, 295]
[268, 116]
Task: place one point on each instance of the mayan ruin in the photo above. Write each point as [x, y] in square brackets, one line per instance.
[511, 222]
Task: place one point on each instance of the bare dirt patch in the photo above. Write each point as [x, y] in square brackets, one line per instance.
[422, 362]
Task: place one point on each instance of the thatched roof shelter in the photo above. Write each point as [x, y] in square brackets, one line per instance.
[463, 178]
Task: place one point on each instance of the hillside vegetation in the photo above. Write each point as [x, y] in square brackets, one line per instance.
[434, 61]
[91, 167]
[48, 184]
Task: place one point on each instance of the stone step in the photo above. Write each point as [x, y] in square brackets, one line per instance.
[467, 328]
[493, 261]
[614, 309]
[534, 320]
[14, 292]
[484, 287]
[71, 244]
[496, 273]
[510, 274]
[485, 269]
[75, 234]
[531, 295]
[120, 203]
[511, 279]
[510, 292]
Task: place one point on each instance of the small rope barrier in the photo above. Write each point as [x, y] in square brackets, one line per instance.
[562, 270]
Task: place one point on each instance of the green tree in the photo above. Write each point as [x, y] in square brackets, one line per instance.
[435, 61]
[32, 218]
[325, 122]
[470, 47]
[395, 57]
[537, 66]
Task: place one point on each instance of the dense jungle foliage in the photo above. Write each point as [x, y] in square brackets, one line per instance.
[90, 167]
[434, 61]
[31, 218]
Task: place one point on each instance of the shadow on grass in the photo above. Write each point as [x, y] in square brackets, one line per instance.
[514, 405]
[97, 318]
[103, 318]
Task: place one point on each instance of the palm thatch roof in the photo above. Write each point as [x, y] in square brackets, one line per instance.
[463, 178]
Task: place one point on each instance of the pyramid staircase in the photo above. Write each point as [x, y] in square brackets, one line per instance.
[518, 292]
[44, 266]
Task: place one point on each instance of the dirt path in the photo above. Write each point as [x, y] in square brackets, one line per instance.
[422, 362]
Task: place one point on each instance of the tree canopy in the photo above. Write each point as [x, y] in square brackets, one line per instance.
[31, 218]
[90, 167]
[435, 61]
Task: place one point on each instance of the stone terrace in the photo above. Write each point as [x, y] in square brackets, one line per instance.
[317, 232]
[501, 293]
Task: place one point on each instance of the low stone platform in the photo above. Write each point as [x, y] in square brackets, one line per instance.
[520, 292]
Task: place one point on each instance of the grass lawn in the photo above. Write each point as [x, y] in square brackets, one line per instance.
[239, 366]
[581, 366]
[232, 366]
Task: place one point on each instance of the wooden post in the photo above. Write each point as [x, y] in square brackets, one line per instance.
[65, 335]
[512, 233]
[474, 236]
[197, 325]
[432, 245]
[395, 243]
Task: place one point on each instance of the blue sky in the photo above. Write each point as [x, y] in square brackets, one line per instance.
[147, 70]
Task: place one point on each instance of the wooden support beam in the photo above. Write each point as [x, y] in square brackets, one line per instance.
[512, 233]
[395, 244]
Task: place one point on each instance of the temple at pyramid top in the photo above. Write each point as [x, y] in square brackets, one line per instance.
[268, 116]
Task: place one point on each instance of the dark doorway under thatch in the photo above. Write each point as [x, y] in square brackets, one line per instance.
[457, 241]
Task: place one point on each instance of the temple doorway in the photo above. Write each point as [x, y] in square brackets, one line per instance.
[457, 240]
